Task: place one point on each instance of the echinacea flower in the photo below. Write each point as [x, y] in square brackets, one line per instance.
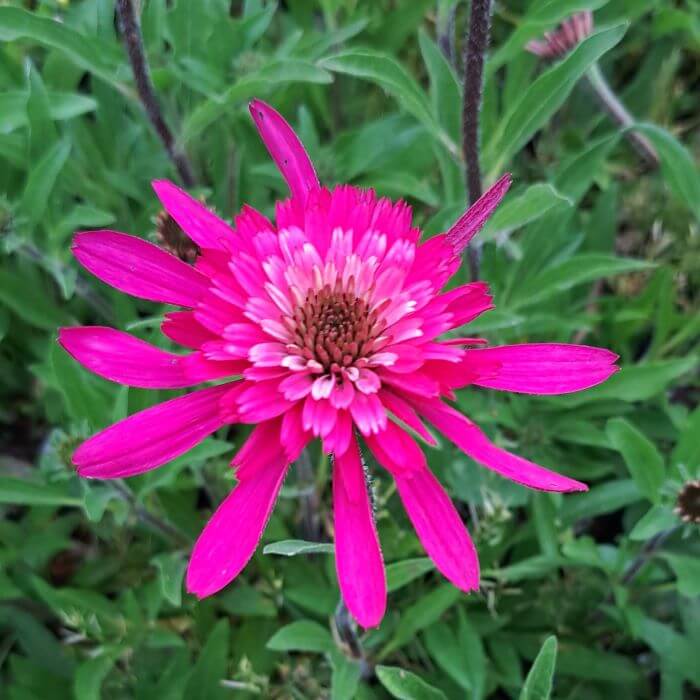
[564, 38]
[330, 324]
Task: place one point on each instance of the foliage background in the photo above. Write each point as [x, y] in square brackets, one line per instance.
[590, 245]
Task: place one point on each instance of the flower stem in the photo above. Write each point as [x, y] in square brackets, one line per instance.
[619, 114]
[149, 518]
[310, 515]
[347, 634]
[131, 33]
[474, 57]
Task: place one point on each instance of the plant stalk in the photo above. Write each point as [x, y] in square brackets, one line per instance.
[131, 33]
[474, 58]
[618, 113]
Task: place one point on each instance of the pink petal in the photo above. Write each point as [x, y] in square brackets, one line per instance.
[473, 220]
[358, 558]
[203, 226]
[403, 411]
[541, 368]
[122, 358]
[396, 450]
[152, 437]
[293, 437]
[439, 527]
[469, 438]
[230, 537]
[139, 268]
[286, 150]
[182, 328]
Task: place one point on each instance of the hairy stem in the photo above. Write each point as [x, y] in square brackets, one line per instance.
[619, 114]
[131, 33]
[308, 498]
[474, 57]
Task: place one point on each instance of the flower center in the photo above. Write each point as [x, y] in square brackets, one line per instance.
[335, 328]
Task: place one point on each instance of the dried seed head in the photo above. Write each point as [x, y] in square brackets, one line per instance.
[171, 237]
[688, 502]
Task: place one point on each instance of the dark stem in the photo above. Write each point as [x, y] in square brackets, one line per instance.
[131, 33]
[647, 551]
[149, 518]
[308, 498]
[619, 114]
[474, 57]
[347, 633]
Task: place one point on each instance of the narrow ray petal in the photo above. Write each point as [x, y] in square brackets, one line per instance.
[463, 433]
[152, 437]
[357, 554]
[473, 220]
[204, 227]
[139, 268]
[230, 537]
[120, 357]
[541, 368]
[439, 527]
[286, 149]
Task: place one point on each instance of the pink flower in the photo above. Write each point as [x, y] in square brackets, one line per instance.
[564, 38]
[334, 322]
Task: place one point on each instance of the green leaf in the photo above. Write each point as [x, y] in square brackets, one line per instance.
[345, 677]
[97, 57]
[566, 274]
[83, 400]
[25, 296]
[643, 460]
[421, 614]
[210, 668]
[538, 684]
[687, 450]
[445, 91]
[90, 675]
[677, 165]
[303, 635]
[290, 548]
[41, 181]
[406, 685]
[544, 97]
[26, 493]
[260, 82]
[401, 573]
[171, 570]
[384, 71]
[604, 498]
[687, 570]
[655, 520]
[516, 212]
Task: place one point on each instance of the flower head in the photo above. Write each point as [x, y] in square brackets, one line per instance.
[330, 324]
[564, 38]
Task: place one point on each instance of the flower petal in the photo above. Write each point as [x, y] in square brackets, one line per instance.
[122, 358]
[468, 437]
[473, 220]
[439, 527]
[183, 328]
[230, 537]
[358, 558]
[152, 437]
[204, 227]
[139, 268]
[286, 149]
[541, 368]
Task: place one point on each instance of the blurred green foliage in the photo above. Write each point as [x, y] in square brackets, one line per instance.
[589, 244]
